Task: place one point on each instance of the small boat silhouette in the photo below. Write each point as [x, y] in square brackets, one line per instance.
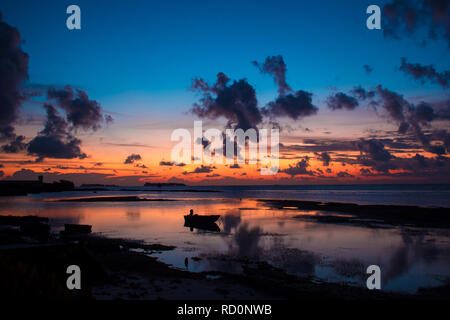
[195, 218]
[202, 222]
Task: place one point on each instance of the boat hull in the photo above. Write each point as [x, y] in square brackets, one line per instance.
[196, 219]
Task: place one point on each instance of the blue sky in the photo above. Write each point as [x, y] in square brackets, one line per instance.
[156, 48]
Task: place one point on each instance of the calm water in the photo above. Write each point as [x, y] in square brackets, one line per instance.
[408, 259]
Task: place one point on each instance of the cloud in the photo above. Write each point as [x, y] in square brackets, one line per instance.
[367, 68]
[394, 104]
[324, 157]
[201, 169]
[235, 166]
[422, 72]
[362, 93]
[276, 67]
[235, 102]
[344, 174]
[55, 141]
[405, 17]
[342, 101]
[13, 72]
[374, 149]
[132, 158]
[294, 106]
[300, 168]
[320, 145]
[15, 145]
[214, 175]
[81, 111]
[170, 163]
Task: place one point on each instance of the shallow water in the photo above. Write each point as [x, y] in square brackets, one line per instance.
[341, 253]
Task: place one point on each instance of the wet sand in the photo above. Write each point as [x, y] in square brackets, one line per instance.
[112, 269]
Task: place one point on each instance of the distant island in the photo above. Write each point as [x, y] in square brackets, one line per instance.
[85, 185]
[168, 184]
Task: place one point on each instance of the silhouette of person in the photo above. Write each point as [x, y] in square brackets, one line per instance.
[186, 262]
[191, 213]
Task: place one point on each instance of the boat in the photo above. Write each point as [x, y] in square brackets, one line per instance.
[196, 219]
[206, 226]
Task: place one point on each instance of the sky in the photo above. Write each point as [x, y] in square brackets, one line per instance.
[83, 101]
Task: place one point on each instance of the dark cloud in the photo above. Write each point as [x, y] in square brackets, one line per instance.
[366, 172]
[13, 72]
[374, 154]
[344, 174]
[201, 169]
[214, 175]
[362, 93]
[422, 72]
[324, 157]
[166, 163]
[236, 102]
[405, 17]
[55, 141]
[276, 67]
[423, 113]
[81, 111]
[300, 168]
[320, 145]
[132, 158]
[15, 146]
[108, 119]
[393, 103]
[409, 117]
[342, 101]
[142, 166]
[374, 149]
[294, 106]
[367, 68]
[170, 163]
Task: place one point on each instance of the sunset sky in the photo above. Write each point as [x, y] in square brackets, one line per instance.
[86, 100]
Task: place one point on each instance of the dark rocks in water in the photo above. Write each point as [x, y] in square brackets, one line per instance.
[77, 228]
[33, 227]
[36, 230]
[17, 221]
[390, 214]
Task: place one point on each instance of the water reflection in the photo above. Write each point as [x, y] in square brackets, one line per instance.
[408, 259]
